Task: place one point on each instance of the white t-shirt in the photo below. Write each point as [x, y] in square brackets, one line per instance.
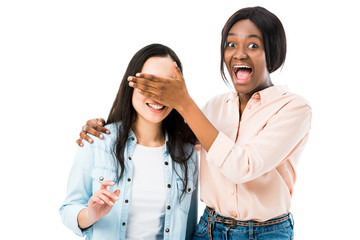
[148, 197]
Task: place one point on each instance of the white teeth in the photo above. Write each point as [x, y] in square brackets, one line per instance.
[242, 66]
[156, 107]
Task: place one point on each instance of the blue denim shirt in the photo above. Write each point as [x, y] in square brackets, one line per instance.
[95, 163]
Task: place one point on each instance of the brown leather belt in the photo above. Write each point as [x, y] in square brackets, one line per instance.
[232, 222]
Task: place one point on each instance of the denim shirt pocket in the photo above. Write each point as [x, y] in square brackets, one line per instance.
[101, 174]
[185, 199]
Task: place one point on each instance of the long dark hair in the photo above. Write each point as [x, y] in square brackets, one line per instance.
[273, 36]
[124, 113]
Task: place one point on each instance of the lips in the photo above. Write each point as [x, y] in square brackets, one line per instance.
[156, 107]
[242, 73]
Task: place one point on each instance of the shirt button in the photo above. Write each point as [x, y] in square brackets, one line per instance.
[123, 224]
[231, 192]
[257, 96]
[167, 230]
[166, 163]
[101, 178]
[132, 138]
[169, 185]
[189, 189]
[129, 179]
[168, 207]
[234, 214]
[129, 158]
[126, 201]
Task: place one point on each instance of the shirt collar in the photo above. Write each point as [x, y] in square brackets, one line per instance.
[263, 95]
[132, 138]
[271, 92]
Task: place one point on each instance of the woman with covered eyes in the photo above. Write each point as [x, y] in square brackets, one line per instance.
[251, 138]
[140, 181]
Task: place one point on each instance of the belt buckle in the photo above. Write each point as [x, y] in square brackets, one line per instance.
[232, 224]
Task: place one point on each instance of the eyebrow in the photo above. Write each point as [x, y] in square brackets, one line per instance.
[248, 36]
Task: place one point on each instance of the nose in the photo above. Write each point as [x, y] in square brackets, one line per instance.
[240, 54]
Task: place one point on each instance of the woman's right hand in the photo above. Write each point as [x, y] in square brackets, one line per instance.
[100, 204]
[94, 127]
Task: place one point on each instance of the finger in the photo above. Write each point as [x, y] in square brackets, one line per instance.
[100, 126]
[100, 121]
[95, 199]
[148, 79]
[105, 199]
[144, 85]
[145, 93]
[117, 192]
[101, 129]
[148, 76]
[84, 136]
[105, 184]
[110, 195]
[93, 131]
[79, 142]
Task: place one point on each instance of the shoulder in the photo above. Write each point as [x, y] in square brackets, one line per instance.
[219, 100]
[280, 96]
[106, 143]
[297, 101]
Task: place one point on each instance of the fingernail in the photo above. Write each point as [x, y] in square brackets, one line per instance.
[116, 197]
[101, 136]
[101, 202]
[175, 64]
[107, 131]
[81, 144]
[90, 140]
[111, 203]
[129, 78]
[131, 84]
[138, 75]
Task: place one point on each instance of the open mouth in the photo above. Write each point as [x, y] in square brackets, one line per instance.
[242, 72]
[155, 106]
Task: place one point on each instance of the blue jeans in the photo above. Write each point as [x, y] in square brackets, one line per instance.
[277, 231]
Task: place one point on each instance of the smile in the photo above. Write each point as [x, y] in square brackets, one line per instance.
[155, 106]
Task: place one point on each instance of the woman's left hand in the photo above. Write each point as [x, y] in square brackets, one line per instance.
[170, 92]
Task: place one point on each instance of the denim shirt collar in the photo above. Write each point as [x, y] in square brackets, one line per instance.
[132, 140]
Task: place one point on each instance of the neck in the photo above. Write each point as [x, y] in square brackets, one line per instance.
[148, 134]
[245, 97]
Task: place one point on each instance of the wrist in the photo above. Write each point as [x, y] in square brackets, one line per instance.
[84, 219]
[186, 104]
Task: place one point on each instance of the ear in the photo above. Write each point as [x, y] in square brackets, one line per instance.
[177, 71]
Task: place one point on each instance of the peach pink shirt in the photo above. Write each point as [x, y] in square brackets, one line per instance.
[251, 177]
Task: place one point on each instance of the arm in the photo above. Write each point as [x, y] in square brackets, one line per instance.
[284, 134]
[81, 208]
[238, 163]
[79, 190]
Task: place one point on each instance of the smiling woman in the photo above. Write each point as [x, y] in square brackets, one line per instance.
[144, 169]
[251, 139]
[158, 66]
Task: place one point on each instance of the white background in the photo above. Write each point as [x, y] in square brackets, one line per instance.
[61, 63]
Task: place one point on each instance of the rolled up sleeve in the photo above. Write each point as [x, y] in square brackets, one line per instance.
[79, 190]
[279, 137]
